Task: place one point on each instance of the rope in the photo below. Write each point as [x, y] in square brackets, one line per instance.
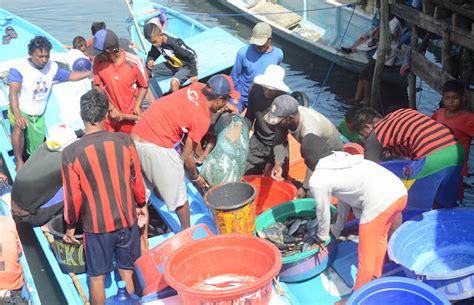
[333, 61]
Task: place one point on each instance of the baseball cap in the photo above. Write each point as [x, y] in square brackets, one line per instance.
[222, 85]
[282, 107]
[82, 64]
[103, 40]
[260, 33]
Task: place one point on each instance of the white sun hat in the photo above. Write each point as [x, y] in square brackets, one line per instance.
[60, 136]
[272, 78]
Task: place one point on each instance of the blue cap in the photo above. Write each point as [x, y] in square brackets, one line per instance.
[222, 85]
[103, 40]
[82, 64]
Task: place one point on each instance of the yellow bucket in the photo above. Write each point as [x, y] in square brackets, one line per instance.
[233, 208]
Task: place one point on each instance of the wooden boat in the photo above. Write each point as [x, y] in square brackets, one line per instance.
[320, 29]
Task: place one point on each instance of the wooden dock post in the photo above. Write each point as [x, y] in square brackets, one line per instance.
[411, 75]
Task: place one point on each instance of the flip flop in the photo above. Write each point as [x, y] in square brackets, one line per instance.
[6, 39]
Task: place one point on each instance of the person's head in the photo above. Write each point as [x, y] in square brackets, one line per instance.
[153, 34]
[453, 95]
[283, 111]
[97, 26]
[272, 81]
[39, 50]
[79, 43]
[261, 36]
[313, 148]
[94, 107]
[105, 43]
[218, 90]
[364, 121]
[349, 118]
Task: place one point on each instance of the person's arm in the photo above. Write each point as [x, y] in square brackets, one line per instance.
[64, 75]
[142, 85]
[190, 165]
[152, 56]
[343, 210]
[280, 145]
[322, 195]
[250, 114]
[187, 56]
[72, 199]
[373, 148]
[138, 186]
[15, 80]
[237, 69]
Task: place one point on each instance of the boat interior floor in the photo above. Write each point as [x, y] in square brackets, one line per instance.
[277, 13]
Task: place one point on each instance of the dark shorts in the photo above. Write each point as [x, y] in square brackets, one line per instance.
[259, 155]
[164, 69]
[121, 246]
[368, 71]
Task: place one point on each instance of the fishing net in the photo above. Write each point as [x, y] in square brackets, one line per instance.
[226, 162]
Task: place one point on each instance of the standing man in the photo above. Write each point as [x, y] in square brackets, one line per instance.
[267, 87]
[431, 147]
[104, 190]
[122, 77]
[162, 128]
[30, 84]
[299, 121]
[252, 60]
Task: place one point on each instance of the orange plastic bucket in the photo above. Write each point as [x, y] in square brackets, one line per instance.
[270, 192]
[353, 149]
[224, 255]
[233, 208]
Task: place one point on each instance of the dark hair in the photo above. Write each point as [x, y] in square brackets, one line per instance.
[97, 26]
[313, 148]
[78, 42]
[351, 114]
[94, 106]
[39, 43]
[150, 29]
[454, 86]
[206, 91]
[364, 116]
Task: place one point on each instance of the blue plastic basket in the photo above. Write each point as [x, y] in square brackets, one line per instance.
[437, 247]
[397, 291]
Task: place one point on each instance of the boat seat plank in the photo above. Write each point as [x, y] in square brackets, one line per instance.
[286, 19]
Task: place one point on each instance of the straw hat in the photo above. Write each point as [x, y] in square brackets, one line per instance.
[60, 136]
[272, 78]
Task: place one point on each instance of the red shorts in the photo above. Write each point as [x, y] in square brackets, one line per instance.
[122, 126]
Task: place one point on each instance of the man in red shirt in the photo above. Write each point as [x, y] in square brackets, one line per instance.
[122, 77]
[103, 188]
[164, 125]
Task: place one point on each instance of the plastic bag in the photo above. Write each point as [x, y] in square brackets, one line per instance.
[226, 162]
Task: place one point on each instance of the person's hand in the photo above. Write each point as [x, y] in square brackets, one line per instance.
[142, 214]
[277, 172]
[115, 115]
[69, 237]
[194, 79]
[201, 182]
[3, 177]
[21, 121]
[150, 64]
[301, 193]
[137, 109]
[229, 107]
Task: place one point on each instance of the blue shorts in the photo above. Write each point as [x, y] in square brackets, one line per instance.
[102, 249]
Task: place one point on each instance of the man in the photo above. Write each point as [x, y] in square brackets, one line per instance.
[267, 87]
[104, 190]
[431, 147]
[299, 121]
[30, 83]
[181, 60]
[162, 128]
[122, 77]
[375, 195]
[252, 60]
[11, 273]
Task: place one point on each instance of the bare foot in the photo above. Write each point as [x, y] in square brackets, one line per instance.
[19, 165]
[341, 302]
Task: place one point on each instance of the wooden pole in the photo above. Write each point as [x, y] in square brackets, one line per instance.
[140, 34]
[383, 47]
[411, 75]
[446, 55]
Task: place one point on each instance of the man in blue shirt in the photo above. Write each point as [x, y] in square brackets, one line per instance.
[252, 60]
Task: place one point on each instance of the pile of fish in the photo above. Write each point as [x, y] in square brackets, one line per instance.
[296, 235]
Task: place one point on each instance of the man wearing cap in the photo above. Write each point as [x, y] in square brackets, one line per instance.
[30, 83]
[253, 59]
[300, 121]
[122, 77]
[184, 113]
[376, 196]
[267, 87]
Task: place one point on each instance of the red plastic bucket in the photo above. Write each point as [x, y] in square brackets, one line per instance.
[221, 255]
[270, 192]
[150, 266]
[353, 149]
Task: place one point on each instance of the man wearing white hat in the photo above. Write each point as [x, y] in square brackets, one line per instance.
[267, 87]
[253, 59]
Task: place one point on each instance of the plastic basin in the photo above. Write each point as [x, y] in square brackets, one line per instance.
[438, 248]
[397, 291]
[223, 255]
[353, 149]
[307, 264]
[270, 192]
[149, 267]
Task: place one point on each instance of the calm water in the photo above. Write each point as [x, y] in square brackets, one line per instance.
[305, 72]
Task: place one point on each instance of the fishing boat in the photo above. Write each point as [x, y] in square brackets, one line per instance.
[319, 26]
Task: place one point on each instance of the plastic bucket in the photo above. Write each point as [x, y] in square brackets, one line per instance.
[70, 257]
[219, 255]
[437, 248]
[270, 192]
[305, 265]
[396, 291]
[353, 149]
[233, 208]
[149, 267]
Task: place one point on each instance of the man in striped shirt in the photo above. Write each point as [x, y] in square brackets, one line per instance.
[436, 155]
[104, 190]
[122, 77]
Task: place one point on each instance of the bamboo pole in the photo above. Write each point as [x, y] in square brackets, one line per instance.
[140, 34]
